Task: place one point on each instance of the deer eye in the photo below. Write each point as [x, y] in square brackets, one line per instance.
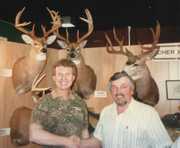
[68, 49]
[77, 50]
[35, 44]
[135, 64]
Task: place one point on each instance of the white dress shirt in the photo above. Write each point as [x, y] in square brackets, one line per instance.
[139, 126]
[176, 144]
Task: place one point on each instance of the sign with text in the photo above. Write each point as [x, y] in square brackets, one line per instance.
[5, 131]
[100, 94]
[169, 51]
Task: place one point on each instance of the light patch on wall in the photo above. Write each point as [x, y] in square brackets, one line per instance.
[100, 94]
[3, 38]
[5, 72]
[5, 131]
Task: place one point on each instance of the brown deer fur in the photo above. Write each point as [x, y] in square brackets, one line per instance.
[19, 124]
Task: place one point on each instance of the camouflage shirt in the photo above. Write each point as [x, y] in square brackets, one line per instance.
[61, 117]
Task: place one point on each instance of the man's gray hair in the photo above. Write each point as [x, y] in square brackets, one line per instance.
[119, 75]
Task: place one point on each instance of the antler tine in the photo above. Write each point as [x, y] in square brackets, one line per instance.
[34, 88]
[36, 81]
[56, 22]
[118, 41]
[61, 37]
[19, 25]
[77, 35]
[110, 44]
[156, 36]
[43, 29]
[89, 20]
[67, 35]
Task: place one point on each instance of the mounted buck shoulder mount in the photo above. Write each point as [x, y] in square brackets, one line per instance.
[146, 88]
[86, 80]
[28, 67]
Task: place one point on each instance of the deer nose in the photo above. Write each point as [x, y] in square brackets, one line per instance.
[72, 55]
[44, 50]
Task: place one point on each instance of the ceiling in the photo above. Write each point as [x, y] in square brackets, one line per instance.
[105, 13]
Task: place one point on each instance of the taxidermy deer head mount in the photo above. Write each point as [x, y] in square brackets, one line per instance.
[86, 80]
[146, 88]
[28, 67]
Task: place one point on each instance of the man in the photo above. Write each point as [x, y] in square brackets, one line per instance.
[61, 117]
[127, 123]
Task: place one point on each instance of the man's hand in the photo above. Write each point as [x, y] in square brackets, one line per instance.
[73, 142]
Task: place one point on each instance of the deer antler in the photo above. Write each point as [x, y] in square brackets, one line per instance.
[131, 58]
[56, 21]
[146, 51]
[20, 26]
[36, 81]
[120, 43]
[156, 36]
[154, 49]
[59, 36]
[34, 88]
[89, 20]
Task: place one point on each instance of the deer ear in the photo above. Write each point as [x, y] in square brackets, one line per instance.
[50, 39]
[27, 39]
[62, 44]
[83, 44]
